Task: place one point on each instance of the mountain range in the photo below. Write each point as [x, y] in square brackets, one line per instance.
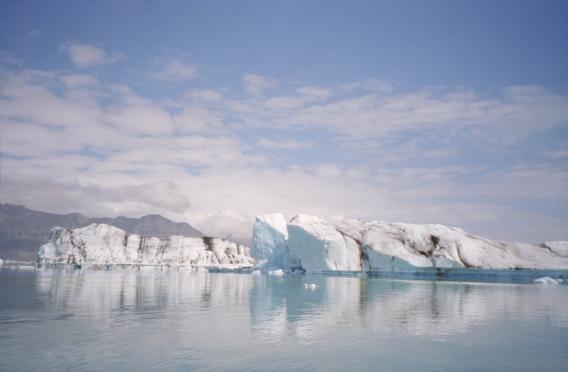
[24, 230]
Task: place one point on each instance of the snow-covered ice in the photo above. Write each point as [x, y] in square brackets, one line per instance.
[101, 244]
[558, 247]
[26, 267]
[315, 244]
[547, 281]
[277, 272]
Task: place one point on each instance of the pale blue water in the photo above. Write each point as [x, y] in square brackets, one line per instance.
[127, 319]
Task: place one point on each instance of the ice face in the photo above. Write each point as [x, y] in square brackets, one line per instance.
[269, 242]
[269, 235]
[101, 244]
[315, 244]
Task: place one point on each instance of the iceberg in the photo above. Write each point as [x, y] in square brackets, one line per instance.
[558, 247]
[311, 286]
[277, 272]
[269, 238]
[101, 244]
[313, 244]
[547, 281]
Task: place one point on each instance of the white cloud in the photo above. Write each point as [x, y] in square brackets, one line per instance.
[95, 200]
[195, 119]
[315, 92]
[557, 154]
[208, 95]
[364, 116]
[87, 55]
[140, 116]
[66, 147]
[79, 80]
[175, 71]
[283, 145]
[257, 84]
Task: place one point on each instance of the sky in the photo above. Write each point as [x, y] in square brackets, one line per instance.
[212, 112]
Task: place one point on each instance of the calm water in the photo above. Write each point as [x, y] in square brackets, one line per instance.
[127, 319]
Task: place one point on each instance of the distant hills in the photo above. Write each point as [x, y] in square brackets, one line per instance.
[24, 230]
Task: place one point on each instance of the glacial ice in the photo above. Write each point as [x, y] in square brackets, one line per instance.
[276, 272]
[547, 281]
[269, 239]
[315, 244]
[101, 244]
[558, 247]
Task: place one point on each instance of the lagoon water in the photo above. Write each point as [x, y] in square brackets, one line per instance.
[149, 319]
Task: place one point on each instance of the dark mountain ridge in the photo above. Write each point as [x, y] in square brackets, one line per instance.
[24, 230]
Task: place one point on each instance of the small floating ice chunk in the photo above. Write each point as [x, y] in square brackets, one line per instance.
[278, 272]
[547, 281]
[256, 272]
[25, 267]
[311, 286]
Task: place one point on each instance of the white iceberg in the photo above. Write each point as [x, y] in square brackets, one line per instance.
[101, 244]
[277, 272]
[547, 281]
[315, 244]
[311, 286]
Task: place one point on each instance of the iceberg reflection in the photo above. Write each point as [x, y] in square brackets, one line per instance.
[272, 308]
[387, 308]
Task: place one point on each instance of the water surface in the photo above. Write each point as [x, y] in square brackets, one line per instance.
[130, 319]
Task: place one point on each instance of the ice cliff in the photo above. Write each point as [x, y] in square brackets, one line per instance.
[269, 237]
[102, 244]
[314, 244]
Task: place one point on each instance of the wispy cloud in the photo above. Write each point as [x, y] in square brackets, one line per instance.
[518, 109]
[34, 34]
[175, 71]
[79, 80]
[283, 145]
[208, 95]
[87, 55]
[257, 84]
[109, 145]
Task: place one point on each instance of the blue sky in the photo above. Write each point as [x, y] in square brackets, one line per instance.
[212, 112]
